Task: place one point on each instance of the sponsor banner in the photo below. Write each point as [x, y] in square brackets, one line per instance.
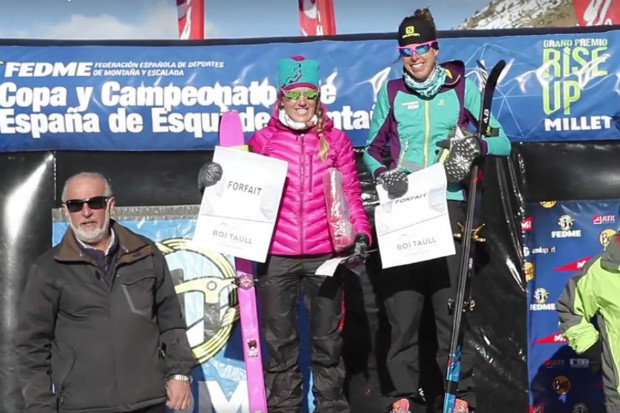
[560, 238]
[130, 97]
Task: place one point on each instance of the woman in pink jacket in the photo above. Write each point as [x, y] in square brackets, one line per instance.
[301, 134]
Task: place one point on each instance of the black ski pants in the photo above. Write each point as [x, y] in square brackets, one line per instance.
[281, 279]
[405, 288]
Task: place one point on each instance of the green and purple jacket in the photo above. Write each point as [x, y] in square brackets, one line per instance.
[411, 125]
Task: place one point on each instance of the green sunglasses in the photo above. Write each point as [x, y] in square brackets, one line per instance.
[310, 94]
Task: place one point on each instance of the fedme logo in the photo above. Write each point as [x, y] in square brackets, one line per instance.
[566, 222]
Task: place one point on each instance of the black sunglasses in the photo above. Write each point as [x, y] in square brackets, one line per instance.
[96, 202]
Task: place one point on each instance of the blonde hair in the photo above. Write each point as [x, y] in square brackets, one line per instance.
[323, 144]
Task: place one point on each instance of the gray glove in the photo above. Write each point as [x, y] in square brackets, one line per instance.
[394, 181]
[357, 251]
[461, 149]
[209, 175]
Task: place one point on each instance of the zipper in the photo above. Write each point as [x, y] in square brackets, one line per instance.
[303, 190]
[113, 355]
[61, 398]
[402, 154]
[427, 131]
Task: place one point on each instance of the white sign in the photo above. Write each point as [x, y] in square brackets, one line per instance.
[415, 227]
[237, 215]
[329, 267]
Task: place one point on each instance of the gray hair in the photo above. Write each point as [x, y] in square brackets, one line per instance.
[95, 175]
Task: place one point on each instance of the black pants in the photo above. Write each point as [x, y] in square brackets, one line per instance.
[158, 408]
[280, 281]
[405, 288]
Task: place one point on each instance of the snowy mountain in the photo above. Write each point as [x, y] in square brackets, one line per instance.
[504, 14]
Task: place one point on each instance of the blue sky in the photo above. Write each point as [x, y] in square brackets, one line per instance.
[156, 19]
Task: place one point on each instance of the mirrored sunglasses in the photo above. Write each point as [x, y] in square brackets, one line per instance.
[418, 49]
[96, 202]
[310, 94]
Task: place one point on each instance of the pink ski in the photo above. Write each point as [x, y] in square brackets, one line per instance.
[231, 135]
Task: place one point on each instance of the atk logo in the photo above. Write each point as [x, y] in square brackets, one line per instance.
[539, 408]
[541, 295]
[561, 385]
[580, 408]
[552, 339]
[528, 267]
[573, 266]
[603, 219]
[581, 363]
[548, 204]
[566, 222]
[606, 236]
[527, 224]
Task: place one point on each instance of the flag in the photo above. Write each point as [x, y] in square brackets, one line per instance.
[191, 15]
[597, 12]
[317, 17]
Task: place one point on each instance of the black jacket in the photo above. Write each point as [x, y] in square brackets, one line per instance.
[101, 346]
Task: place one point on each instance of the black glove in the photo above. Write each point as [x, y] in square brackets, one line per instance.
[209, 175]
[594, 354]
[357, 250]
[394, 181]
[463, 147]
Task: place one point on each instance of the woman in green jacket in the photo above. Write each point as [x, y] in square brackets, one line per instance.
[415, 116]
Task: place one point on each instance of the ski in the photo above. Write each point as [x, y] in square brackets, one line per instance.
[231, 135]
[463, 301]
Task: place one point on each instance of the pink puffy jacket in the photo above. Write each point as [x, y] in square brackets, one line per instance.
[302, 227]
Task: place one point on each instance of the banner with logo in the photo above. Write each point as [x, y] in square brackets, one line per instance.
[203, 280]
[191, 15]
[131, 97]
[317, 17]
[597, 12]
[560, 237]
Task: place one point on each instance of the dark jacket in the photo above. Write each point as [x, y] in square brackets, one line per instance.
[87, 345]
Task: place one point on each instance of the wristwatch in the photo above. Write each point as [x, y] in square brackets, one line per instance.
[181, 377]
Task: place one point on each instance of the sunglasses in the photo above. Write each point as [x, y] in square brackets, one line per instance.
[309, 94]
[418, 49]
[96, 202]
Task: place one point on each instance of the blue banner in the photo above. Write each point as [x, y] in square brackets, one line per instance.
[560, 237]
[126, 97]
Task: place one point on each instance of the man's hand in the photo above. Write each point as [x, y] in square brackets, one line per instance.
[179, 394]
